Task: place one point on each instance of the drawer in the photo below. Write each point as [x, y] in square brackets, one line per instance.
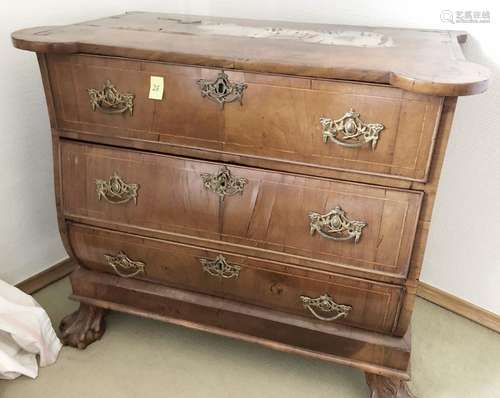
[275, 285]
[342, 226]
[330, 125]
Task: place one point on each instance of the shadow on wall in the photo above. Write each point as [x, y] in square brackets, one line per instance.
[463, 252]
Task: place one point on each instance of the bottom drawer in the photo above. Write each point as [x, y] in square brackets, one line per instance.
[317, 294]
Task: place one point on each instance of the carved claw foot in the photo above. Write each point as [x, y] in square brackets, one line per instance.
[83, 326]
[387, 387]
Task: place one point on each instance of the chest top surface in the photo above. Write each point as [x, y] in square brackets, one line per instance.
[424, 61]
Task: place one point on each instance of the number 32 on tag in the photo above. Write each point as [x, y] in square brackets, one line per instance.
[156, 88]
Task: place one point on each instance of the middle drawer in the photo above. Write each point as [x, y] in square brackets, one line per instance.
[328, 224]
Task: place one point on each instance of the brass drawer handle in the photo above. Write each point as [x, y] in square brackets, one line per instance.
[350, 131]
[335, 225]
[110, 100]
[220, 268]
[222, 90]
[325, 303]
[121, 261]
[115, 190]
[223, 183]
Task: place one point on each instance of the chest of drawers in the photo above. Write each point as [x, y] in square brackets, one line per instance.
[267, 181]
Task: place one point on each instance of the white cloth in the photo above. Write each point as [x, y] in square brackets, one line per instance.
[25, 332]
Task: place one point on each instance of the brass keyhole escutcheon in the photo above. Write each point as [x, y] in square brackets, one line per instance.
[222, 90]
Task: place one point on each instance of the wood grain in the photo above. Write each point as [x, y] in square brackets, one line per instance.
[408, 80]
[372, 352]
[278, 120]
[423, 61]
[268, 284]
[429, 190]
[172, 198]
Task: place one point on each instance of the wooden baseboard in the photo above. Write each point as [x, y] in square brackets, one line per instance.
[461, 307]
[46, 277]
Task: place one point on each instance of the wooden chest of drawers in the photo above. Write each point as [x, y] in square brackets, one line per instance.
[267, 181]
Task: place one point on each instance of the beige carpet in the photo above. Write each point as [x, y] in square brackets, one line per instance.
[452, 358]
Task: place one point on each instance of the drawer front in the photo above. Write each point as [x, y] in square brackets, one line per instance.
[340, 224]
[352, 301]
[326, 124]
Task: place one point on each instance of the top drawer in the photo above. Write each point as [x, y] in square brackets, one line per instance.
[362, 128]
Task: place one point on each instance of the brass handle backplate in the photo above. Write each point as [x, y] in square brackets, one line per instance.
[110, 100]
[115, 190]
[335, 225]
[124, 266]
[222, 90]
[325, 303]
[223, 183]
[350, 131]
[220, 268]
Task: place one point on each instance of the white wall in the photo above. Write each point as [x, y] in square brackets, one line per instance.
[463, 255]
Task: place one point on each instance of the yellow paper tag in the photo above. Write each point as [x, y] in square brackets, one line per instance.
[156, 88]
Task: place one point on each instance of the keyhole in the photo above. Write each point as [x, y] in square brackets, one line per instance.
[276, 288]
